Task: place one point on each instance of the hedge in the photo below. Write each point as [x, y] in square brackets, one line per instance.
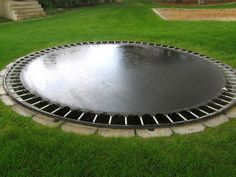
[69, 3]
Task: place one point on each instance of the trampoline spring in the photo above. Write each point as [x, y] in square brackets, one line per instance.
[232, 85]
[67, 113]
[7, 80]
[16, 71]
[218, 64]
[167, 116]
[181, 116]
[232, 89]
[56, 110]
[10, 77]
[13, 75]
[16, 78]
[110, 119]
[228, 97]
[230, 76]
[14, 87]
[232, 93]
[80, 116]
[37, 102]
[203, 111]
[155, 119]
[227, 71]
[11, 80]
[45, 106]
[95, 117]
[24, 94]
[16, 96]
[229, 84]
[23, 61]
[74, 44]
[20, 96]
[17, 67]
[125, 120]
[217, 104]
[141, 120]
[224, 100]
[232, 82]
[58, 48]
[195, 115]
[28, 99]
[20, 90]
[210, 107]
[12, 83]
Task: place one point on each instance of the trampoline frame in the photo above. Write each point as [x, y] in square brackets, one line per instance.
[16, 90]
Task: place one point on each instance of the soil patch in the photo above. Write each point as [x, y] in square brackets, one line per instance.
[197, 14]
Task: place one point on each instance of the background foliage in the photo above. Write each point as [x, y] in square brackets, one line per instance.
[69, 3]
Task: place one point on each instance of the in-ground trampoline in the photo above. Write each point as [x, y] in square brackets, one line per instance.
[122, 84]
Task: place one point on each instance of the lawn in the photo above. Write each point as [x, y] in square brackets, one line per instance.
[29, 149]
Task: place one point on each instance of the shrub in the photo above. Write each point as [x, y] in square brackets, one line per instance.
[68, 3]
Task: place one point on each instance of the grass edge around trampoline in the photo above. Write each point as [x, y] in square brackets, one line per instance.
[29, 149]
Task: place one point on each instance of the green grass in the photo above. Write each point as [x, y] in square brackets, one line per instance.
[29, 149]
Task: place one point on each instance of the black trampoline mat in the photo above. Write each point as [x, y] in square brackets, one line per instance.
[123, 78]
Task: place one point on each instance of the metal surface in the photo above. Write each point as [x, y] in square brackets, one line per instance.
[122, 84]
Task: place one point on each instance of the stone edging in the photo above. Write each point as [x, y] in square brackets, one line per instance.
[106, 132]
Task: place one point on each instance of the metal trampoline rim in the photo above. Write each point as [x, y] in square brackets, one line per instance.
[33, 108]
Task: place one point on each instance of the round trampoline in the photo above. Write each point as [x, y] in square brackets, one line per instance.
[122, 84]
